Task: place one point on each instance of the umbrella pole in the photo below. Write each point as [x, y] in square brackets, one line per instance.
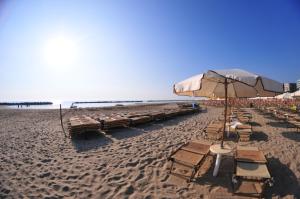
[225, 113]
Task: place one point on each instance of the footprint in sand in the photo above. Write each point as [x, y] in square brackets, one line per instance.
[72, 177]
[114, 178]
[84, 175]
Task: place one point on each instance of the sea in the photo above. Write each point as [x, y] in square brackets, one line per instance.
[90, 104]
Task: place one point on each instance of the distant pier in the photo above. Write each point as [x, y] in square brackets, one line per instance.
[24, 103]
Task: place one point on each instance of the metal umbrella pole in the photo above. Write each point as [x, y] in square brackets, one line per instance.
[225, 113]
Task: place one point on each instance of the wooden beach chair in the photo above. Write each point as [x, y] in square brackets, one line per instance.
[295, 124]
[244, 117]
[115, 121]
[139, 119]
[251, 174]
[157, 115]
[81, 124]
[280, 115]
[214, 130]
[244, 132]
[190, 155]
[171, 113]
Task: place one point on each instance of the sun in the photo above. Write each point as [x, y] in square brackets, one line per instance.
[60, 51]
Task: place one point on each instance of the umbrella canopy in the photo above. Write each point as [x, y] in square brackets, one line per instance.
[233, 83]
[296, 94]
[240, 83]
[284, 96]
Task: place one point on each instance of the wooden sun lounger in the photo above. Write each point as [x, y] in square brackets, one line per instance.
[136, 120]
[158, 115]
[214, 130]
[295, 124]
[115, 121]
[244, 132]
[251, 172]
[281, 116]
[171, 113]
[81, 124]
[243, 119]
[191, 155]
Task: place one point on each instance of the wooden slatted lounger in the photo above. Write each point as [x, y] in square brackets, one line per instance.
[81, 124]
[115, 121]
[214, 130]
[280, 116]
[296, 124]
[171, 113]
[244, 132]
[136, 120]
[191, 155]
[251, 172]
[158, 115]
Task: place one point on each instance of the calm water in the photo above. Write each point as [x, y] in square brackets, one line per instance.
[67, 104]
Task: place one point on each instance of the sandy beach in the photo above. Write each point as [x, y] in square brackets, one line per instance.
[37, 161]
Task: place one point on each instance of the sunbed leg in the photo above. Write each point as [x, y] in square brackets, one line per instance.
[171, 167]
[192, 175]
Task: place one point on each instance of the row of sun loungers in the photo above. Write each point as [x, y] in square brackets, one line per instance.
[251, 174]
[105, 122]
[243, 130]
[80, 123]
[214, 130]
[290, 118]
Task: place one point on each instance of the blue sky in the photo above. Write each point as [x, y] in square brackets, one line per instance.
[139, 49]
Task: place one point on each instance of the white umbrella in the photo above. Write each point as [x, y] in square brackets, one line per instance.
[296, 94]
[233, 83]
[284, 96]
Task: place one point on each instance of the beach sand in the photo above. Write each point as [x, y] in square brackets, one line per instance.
[37, 161]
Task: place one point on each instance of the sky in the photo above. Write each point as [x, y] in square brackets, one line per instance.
[137, 49]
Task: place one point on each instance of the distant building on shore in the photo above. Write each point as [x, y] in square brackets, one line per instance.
[298, 84]
[291, 87]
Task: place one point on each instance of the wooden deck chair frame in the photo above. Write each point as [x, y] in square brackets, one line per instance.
[261, 180]
[214, 130]
[295, 124]
[194, 167]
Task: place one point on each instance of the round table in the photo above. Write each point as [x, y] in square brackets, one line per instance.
[216, 149]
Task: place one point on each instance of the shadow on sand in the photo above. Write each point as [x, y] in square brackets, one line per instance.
[277, 124]
[123, 133]
[224, 176]
[269, 116]
[89, 140]
[259, 136]
[252, 123]
[205, 176]
[292, 135]
[286, 183]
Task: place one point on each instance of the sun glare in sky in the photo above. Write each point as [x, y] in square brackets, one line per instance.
[60, 51]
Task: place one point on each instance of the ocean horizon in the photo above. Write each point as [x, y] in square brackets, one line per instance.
[84, 103]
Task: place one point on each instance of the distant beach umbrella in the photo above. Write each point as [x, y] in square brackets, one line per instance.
[284, 96]
[296, 94]
[229, 83]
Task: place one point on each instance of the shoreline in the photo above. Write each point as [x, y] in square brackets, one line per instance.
[56, 106]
